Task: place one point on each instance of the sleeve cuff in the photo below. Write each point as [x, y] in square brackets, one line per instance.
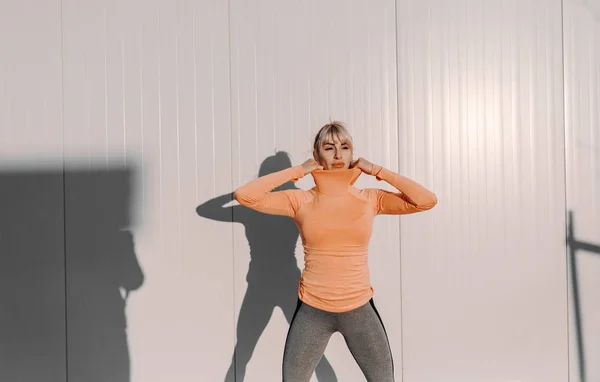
[297, 173]
[376, 171]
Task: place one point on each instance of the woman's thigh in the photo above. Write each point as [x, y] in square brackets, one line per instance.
[306, 341]
[367, 340]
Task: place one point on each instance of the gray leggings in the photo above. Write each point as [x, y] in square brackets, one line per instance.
[362, 329]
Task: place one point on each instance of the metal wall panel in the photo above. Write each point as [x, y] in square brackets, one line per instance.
[582, 102]
[294, 66]
[147, 137]
[481, 123]
[32, 278]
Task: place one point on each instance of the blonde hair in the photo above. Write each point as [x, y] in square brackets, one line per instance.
[330, 130]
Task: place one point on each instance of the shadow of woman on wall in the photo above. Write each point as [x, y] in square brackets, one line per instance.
[273, 273]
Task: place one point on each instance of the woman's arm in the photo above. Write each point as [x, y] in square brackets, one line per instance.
[257, 193]
[412, 197]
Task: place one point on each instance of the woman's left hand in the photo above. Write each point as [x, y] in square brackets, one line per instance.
[363, 164]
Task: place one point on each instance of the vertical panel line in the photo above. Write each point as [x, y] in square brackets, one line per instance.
[565, 179]
[195, 99]
[64, 186]
[232, 184]
[142, 169]
[160, 153]
[212, 109]
[178, 145]
[123, 95]
[399, 220]
[105, 87]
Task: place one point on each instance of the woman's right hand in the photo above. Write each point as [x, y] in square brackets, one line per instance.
[310, 166]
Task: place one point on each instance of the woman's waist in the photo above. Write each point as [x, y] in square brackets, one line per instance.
[336, 268]
[343, 251]
[335, 284]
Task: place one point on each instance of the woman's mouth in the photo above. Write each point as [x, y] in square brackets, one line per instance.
[339, 164]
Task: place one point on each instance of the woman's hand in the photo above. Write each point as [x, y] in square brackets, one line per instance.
[310, 166]
[364, 165]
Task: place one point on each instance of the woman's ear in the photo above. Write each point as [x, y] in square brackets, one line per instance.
[316, 156]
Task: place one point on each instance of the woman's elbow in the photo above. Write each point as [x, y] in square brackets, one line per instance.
[242, 197]
[432, 202]
[238, 195]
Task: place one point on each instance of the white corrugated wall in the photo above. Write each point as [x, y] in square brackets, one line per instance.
[132, 123]
[481, 122]
[582, 134]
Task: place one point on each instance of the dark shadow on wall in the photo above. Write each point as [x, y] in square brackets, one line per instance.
[273, 273]
[51, 321]
[575, 245]
[102, 270]
[32, 278]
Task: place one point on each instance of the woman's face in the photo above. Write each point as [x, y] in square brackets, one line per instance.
[335, 153]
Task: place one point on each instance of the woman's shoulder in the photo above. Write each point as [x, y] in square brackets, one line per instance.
[367, 194]
[300, 194]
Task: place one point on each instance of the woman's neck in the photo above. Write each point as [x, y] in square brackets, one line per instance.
[335, 182]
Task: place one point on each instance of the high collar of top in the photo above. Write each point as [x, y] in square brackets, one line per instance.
[335, 182]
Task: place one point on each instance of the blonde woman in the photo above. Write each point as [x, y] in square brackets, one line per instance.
[335, 220]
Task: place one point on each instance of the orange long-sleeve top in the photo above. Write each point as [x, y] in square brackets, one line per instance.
[335, 221]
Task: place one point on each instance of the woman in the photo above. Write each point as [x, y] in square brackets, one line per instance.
[335, 223]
